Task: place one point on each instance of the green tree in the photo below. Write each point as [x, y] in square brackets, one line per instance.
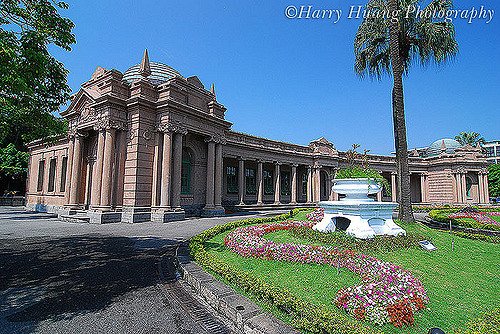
[494, 180]
[32, 82]
[469, 138]
[390, 44]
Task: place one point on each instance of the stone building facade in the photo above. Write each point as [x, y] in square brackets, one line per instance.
[150, 144]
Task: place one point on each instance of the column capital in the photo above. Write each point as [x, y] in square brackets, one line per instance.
[216, 138]
[295, 165]
[173, 126]
[394, 173]
[240, 158]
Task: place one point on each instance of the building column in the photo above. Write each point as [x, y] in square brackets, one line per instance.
[219, 170]
[480, 191]
[293, 199]
[379, 196]
[423, 188]
[76, 168]
[176, 172]
[486, 189]
[464, 188]
[277, 183]
[155, 186]
[317, 184]
[209, 199]
[260, 183]
[394, 187]
[241, 180]
[69, 168]
[458, 188]
[166, 170]
[95, 199]
[309, 185]
[107, 182]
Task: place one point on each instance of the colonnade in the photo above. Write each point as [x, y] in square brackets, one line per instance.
[100, 197]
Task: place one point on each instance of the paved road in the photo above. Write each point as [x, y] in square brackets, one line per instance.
[58, 277]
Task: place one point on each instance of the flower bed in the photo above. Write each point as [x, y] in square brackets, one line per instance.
[388, 293]
[480, 217]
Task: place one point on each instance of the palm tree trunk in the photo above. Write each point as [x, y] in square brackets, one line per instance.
[398, 112]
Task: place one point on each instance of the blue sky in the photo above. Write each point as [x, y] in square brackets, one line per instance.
[289, 79]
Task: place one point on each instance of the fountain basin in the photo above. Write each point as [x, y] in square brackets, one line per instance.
[367, 218]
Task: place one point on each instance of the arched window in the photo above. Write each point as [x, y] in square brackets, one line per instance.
[468, 185]
[187, 163]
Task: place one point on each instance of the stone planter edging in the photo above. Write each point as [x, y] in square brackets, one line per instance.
[246, 316]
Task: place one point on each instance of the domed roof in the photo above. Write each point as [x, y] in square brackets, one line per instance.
[446, 144]
[159, 73]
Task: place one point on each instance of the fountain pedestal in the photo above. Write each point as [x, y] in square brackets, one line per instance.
[367, 217]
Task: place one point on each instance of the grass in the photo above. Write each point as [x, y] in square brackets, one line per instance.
[461, 284]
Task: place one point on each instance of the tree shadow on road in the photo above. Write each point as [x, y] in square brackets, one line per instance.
[42, 278]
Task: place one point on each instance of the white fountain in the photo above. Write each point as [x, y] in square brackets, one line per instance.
[367, 217]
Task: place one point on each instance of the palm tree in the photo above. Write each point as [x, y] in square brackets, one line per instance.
[389, 45]
[469, 138]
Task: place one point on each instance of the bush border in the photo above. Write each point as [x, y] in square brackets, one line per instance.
[305, 315]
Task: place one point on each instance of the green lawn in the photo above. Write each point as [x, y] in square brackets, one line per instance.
[461, 284]
[496, 218]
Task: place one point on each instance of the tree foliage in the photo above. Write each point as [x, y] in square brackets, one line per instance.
[32, 82]
[494, 180]
[13, 163]
[469, 138]
[421, 40]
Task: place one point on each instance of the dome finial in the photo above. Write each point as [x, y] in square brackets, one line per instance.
[145, 69]
[212, 89]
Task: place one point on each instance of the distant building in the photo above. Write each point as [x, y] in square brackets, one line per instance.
[492, 151]
[151, 144]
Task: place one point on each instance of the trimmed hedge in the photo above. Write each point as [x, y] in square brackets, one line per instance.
[344, 241]
[442, 216]
[305, 316]
[487, 238]
[489, 323]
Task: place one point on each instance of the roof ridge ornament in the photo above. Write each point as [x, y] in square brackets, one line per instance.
[145, 69]
[212, 90]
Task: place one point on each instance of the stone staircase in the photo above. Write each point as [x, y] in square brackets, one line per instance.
[76, 216]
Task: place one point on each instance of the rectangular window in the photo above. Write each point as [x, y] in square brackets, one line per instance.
[41, 172]
[232, 180]
[285, 183]
[64, 170]
[304, 184]
[52, 175]
[251, 188]
[267, 175]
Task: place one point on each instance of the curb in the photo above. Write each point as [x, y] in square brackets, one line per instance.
[246, 316]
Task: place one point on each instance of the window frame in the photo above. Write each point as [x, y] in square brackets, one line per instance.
[232, 186]
[285, 183]
[41, 175]
[250, 181]
[268, 180]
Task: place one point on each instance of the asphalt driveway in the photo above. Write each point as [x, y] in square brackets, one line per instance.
[58, 277]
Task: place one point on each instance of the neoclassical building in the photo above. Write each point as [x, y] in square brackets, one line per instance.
[152, 145]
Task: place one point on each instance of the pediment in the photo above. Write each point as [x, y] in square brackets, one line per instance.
[81, 104]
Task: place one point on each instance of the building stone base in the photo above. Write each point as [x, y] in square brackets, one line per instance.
[213, 212]
[99, 217]
[165, 215]
[131, 214]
